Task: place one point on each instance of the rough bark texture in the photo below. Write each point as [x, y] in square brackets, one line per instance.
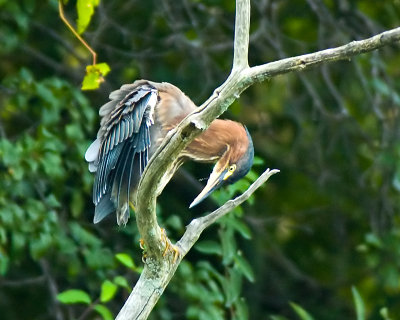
[158, 270]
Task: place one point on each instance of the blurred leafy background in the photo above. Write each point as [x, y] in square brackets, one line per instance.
[322, 236]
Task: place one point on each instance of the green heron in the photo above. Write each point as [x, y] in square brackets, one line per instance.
[133, 125]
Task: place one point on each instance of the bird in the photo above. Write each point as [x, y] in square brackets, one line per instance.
[133, 124]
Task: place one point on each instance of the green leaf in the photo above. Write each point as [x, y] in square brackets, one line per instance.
[103, 68]
[103, 311]
[303, 314]
[122, 282]
[85, 10]
[274, 317]
[126, 260]
[175, 222]
[359, 303]
[232, 286]
[98, 258]
[258, 161]
[77, 203]
[373, 240]
[243, 265]
[4, 264]
[209, 247]
[384, 312]
[396, 179]
[74, 132]
[40, 246]
[240, 226]
[108, 290]
[252, 176]
[94, 76]
[83, 236]
[241, 308]
[228, 245]
[73, 296]
[52, 201]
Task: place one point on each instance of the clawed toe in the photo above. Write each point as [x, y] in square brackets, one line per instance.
[169, 247]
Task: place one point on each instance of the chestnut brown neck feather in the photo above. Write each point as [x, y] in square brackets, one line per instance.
[220, 137]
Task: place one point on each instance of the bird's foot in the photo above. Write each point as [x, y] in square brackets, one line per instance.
[141, 244]
[169, 247]
[143, 247]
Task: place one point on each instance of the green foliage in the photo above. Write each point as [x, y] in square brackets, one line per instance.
[126, 260]
[94, 76]
[103, 311]
[385, 314]
[209, 247]
[35, 162]
[41, 172]
[108, 291]
[244, 267]
[73, 296]
[359, 304]
[216, 291]
[122, 282]
[302, 314]
[85, 10]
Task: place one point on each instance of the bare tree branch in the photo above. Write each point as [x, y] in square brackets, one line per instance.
[300, 63]
[158, 270]
[241, 41]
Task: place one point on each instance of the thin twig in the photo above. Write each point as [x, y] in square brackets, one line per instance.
[52, 289]
[76, 34]
[23, 282]
[197, 226]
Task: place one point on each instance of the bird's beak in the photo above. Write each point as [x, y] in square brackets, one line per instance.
[215, 180]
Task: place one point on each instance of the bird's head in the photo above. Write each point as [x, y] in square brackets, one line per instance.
[233, 165]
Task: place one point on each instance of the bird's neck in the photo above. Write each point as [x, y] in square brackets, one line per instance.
[220, 137]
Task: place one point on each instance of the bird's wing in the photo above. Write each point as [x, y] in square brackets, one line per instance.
[120, 152]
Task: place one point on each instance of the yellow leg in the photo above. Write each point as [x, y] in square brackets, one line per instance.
[169, 246]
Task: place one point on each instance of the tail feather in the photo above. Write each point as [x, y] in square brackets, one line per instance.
[103, 208]
[123, 214]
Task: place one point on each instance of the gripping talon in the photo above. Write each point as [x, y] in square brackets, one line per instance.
[143, 247]
[169, 246]
[141, 244]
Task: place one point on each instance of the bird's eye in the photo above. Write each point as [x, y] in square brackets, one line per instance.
[232, 168]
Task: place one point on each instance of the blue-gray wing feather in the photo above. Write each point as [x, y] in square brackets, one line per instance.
[124, 149]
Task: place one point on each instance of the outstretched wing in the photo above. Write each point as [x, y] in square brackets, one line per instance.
[121, 150]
